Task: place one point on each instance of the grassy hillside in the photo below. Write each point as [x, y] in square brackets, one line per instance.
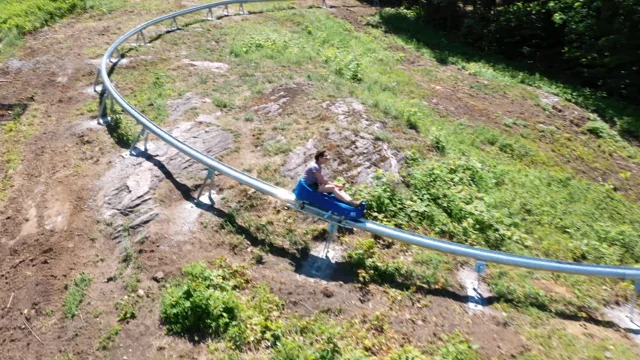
[18, 17]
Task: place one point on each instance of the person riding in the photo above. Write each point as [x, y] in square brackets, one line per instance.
[314, 180]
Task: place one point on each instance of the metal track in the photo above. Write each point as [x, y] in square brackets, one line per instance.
[480, 255]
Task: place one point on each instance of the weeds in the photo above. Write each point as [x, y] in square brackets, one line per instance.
[76, 292]
[106, 340]
[127, 309]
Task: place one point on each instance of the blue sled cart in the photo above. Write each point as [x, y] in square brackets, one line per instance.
[327, 202]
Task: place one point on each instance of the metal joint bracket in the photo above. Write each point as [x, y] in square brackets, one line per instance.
[481, 267]
[210, 176]
[139, 36]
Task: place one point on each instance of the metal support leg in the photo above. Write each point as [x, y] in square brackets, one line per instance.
[632, 311]
[376, 3]
[241, 10]
[210, 177]
[136, 139]
[324, 4]
[141, 36]
[117, 57]
[146, 141]
[103, 119]
[210, 16]
[225, 11]
[174, 25]
[96, 81]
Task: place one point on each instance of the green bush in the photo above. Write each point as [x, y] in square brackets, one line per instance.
[76, 292]
[204, 302]
[122, 129]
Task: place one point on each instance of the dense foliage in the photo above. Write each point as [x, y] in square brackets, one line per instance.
[595, 41]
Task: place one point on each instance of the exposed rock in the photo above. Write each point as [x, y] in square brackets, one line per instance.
[356, 157]
[209, 118]
[271, 109]
[277, 99]
[351, 111]
[140, 292]
[213, 66]
[126, 195]
[158, 277]
[178, 107]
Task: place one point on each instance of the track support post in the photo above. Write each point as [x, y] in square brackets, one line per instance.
[142, 133]
[241, 10]
[174, 25]
[117, 51]
[632, 310]
[210, 15]
[376, 3]
[103, 116]
[225, 11]
[324, 4]
[97, 82]
[211, 174]
[139, 37]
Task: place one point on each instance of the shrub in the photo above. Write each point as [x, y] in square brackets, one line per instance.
[599, 129]
[76, 292]
[122, 130]
[204, 302]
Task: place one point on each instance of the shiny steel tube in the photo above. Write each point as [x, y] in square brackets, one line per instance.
[364, 225]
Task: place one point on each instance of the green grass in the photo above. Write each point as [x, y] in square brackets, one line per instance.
[76, 292]
[19, 17]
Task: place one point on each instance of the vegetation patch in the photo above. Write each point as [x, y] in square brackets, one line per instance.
[220, 303]
[18, 17]
[107, 339]
[76, 292]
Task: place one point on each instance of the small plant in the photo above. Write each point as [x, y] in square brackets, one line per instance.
[250, 117]
[221, 103]
[409, 353]
[66, 356]
[599, 129]
[131, 284]
[382, 135]
[127, 309]
[48, 313]
[258, 258]
[456, 347]
[107, 339]
[96, 313]
[76, 292]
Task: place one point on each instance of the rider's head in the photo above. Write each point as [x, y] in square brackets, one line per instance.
[321, 157]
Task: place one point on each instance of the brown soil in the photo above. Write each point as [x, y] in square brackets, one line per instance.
[51, 229]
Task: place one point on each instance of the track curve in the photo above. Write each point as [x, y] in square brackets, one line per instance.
[110, 92]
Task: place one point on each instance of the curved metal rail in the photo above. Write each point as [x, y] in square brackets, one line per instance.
[480, 255]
